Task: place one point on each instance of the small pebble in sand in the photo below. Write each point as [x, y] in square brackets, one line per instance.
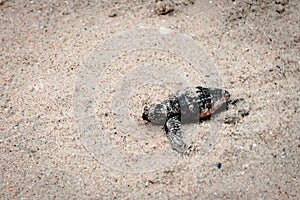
[164, 7]
[112, 12]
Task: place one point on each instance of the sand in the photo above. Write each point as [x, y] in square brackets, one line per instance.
[75, 76]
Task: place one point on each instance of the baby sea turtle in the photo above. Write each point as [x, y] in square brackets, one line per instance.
[191, 105]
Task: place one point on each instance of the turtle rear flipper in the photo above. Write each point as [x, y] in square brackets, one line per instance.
[236, 110]
[174, 134]
[240, 105]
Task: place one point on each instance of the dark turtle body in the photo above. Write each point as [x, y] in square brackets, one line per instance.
[190, 105]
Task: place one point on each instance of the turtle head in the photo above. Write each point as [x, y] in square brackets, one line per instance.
[155, 113]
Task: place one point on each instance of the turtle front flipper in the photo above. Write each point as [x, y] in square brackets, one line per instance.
[174, 134]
